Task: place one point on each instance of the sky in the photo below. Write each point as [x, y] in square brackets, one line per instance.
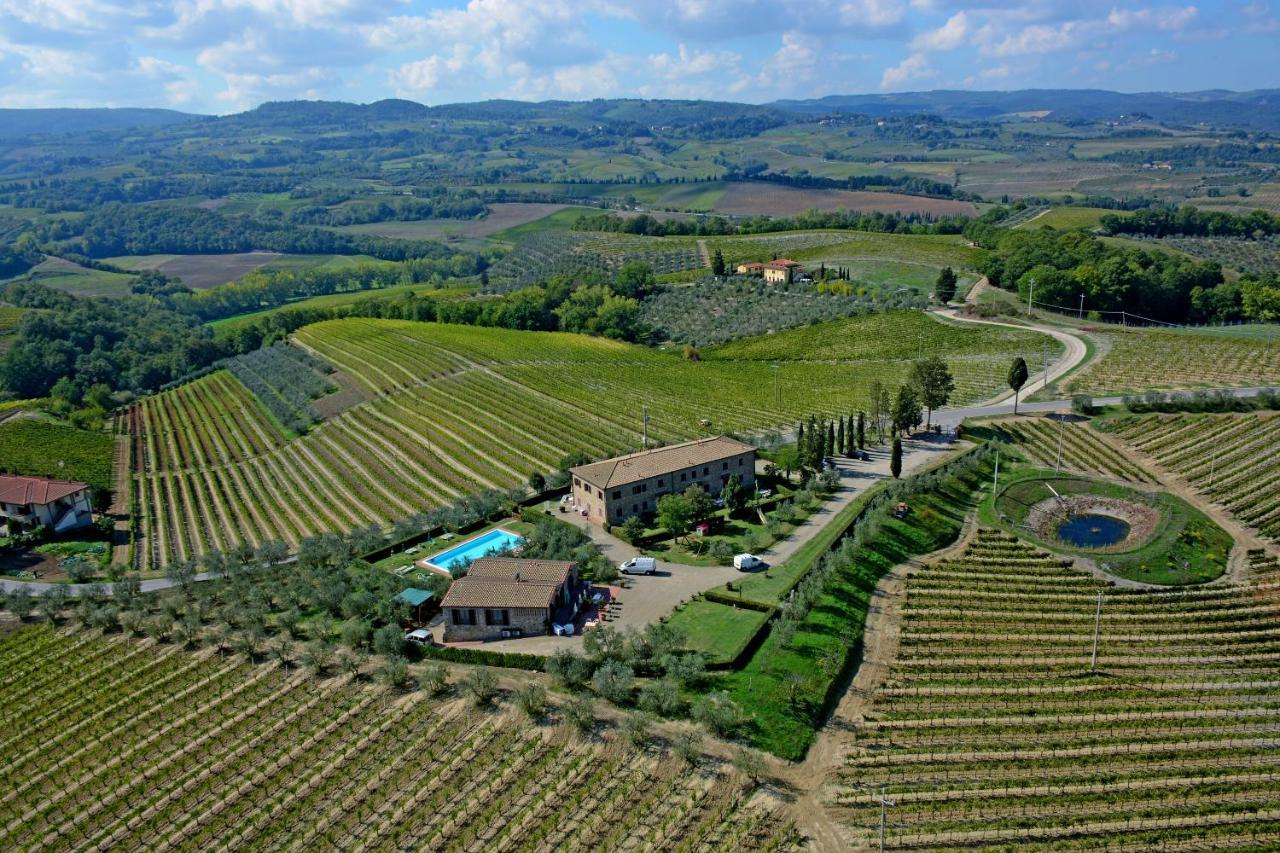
[223, 56]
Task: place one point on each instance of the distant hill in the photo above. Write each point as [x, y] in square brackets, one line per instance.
[25, 122]
[1258, 109]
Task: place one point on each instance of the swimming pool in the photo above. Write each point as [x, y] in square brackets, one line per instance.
[473, 549]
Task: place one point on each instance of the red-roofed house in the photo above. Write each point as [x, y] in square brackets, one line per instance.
[28, 502]
[781, 271]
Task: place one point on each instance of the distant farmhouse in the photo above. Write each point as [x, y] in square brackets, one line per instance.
[501, 597]
[779, 271]
[29, 502]
[615, 489]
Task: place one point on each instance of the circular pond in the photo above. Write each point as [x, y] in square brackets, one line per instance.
[1092, 530]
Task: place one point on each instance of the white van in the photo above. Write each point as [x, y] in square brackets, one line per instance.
[639, 566]
[747, 562]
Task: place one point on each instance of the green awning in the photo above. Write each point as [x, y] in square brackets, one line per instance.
[415, 597]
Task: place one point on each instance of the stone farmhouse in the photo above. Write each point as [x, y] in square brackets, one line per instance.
[503, 597]
[613, 490]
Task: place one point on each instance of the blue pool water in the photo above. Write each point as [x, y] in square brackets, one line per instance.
[1092, 531]
[473, 549]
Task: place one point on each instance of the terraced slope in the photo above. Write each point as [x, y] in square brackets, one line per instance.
[992, 731]
[1231, 459]
[1072, 445]
[457, 409]
[116, 744]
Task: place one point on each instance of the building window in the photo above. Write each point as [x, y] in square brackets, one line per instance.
[724, 466]
[617, 494]
[635, 490]
[706, 469]
[497, 617]
[464, 617]
[660, 484]
[576, 482]
[683, 474]
[740, 460]
[600, 493]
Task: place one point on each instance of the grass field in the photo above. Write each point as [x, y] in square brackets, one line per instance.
[455, 409]
[992, 730]
[191, 751]
[716, 630]
[1068, 217]
[77, 280]
[1138, 360]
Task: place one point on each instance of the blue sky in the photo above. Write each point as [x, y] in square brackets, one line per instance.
[223, 56]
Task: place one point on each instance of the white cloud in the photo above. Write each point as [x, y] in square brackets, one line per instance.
[914, 67]
[1168, 20]
[949, 36]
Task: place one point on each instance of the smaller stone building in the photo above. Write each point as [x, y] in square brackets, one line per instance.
[502, 597]
[613, 490]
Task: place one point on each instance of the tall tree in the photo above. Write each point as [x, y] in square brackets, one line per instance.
[862, 431]
[906, 414]
[945, 287]
[717, 263]
[895, 459]
[879, 408]
[843, 448]
[934, 383]
[829, 449]
[1017, 378]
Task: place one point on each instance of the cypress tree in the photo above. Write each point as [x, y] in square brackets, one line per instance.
[840, 439]
[829, 449]
[862, 431]
[895, 461]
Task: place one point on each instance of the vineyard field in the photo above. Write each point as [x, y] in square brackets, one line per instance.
[992, 730]
[548, 253]
[1232, 459]
[115, 743]
[43, 449]
[1139, 360]
[455, 409]
[1082, 449]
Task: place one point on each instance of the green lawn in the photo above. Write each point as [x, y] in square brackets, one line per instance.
[561, 220]
[1064, 218]
[718, 631]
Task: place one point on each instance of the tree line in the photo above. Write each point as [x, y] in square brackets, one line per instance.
[717, 226]
[1190, 221]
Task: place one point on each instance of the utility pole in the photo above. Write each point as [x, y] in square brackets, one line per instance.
[995, 480]
[1097, 629]
[1080, 311]
[777, 392]
[645, 411]
[884, 802]
[1044, 365]
[1030, 296]
[1062, 426]
[1213, 465]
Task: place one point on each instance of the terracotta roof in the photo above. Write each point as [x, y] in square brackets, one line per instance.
[36, 490]
[635, 467]
[508, 582]
[782, 264]
[514, 568]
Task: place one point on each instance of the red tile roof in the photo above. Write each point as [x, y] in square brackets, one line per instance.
[782, 264]
[507, 582]
[634, 467]
[36, 490]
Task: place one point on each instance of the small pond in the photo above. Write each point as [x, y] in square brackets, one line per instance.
[1090, 530]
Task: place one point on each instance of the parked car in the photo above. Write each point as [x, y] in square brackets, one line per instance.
[639, 566]
[747, 562]
[421, 636]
